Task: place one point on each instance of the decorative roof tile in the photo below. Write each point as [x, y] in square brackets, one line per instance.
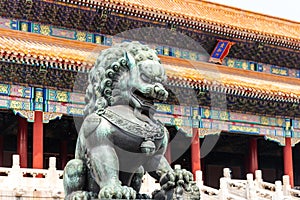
[216, 14]
[235, 81]
[48, 49]
[23, 48]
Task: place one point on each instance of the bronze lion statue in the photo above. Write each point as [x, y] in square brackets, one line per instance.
[119, 139]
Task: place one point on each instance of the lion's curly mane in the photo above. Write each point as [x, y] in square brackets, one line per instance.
[106, 78]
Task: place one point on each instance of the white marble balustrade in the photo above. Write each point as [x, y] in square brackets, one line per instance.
[23, 183]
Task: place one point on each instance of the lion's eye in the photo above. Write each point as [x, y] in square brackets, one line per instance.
[139, 57]
[146, 78]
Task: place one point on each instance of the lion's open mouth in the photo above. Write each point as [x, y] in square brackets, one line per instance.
[144, 99]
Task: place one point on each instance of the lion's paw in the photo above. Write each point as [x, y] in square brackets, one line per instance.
[142, 196]
[182, 181]
[117, 192]
[192, 190]
[178, 177]
[78, 195]
[195, 192]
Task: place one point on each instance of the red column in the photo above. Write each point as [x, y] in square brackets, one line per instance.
[168, 154]
[37, 155]
[253, 157]
[1, 150]
[195, 150]
[288, 160]
[63, 153]
[22, 141]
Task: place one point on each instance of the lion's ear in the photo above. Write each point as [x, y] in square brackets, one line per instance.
[130, 60]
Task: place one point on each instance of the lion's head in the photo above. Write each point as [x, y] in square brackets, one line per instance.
[127, 73]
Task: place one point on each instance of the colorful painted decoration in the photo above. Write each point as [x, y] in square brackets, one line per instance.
[221, 51]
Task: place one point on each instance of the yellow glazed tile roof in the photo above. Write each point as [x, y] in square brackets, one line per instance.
[217, 14]
[237, 81]
[34, 46]
[183, 72]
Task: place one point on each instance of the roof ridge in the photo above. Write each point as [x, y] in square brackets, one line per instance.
[217, 14]
[249, 11]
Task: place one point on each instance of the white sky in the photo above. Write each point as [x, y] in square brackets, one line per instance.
[288, 9]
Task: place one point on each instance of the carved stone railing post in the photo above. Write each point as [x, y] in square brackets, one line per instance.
[258, 178]
[251, 190]
[227, 173]
[15, 177]
[223, 192]
[286, 185]
[278, 195]
[199, 179]
[177, 166]
[52, 178]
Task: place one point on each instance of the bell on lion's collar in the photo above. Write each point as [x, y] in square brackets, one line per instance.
[148, 147]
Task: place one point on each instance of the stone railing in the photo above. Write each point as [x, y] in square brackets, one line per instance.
[31, 183]
[249, 189]
[23, 183]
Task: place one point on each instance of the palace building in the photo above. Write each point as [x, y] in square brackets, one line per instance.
[233, 77]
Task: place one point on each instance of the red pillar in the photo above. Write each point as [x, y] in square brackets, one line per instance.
[253, 157]
[168, 154]
[22, 141]
[1, 150]
[37, 155]
[288, 160]
[63, 153]
[195, 150]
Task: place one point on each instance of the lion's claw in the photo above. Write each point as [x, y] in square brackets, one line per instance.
[116, 192]
[180, 179]
[78, 195]
[194, 191]
[142, 196]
